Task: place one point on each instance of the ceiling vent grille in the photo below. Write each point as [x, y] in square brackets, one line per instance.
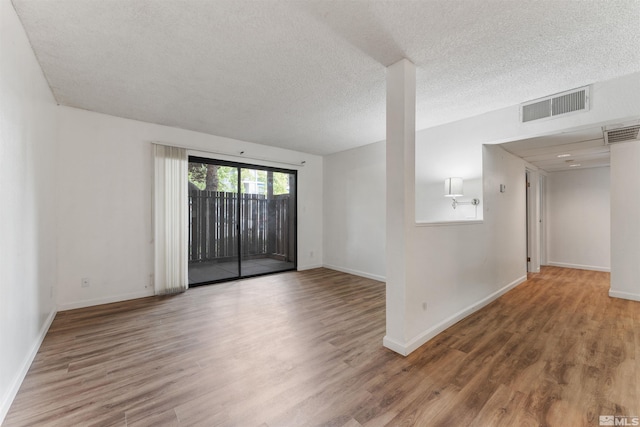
[629, 133]
[576, 100]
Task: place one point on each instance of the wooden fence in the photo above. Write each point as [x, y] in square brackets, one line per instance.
[265, 226]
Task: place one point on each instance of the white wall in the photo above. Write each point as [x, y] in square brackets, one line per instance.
[432, 206]
[354, 211]
[439, 157]
[460, 267]
[27, 205]
[578, 219]
[625, 223]
[104, 202]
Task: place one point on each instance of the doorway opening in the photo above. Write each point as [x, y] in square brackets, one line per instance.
[535, 227]
[242, 220]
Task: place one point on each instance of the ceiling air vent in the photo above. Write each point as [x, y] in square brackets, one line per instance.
[621, 134]
[576, 100]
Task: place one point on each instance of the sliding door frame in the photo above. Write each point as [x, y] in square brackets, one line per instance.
[239, 166]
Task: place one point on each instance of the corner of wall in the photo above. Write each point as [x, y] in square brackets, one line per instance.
[424, 337]
[624, 295]
[16, 381]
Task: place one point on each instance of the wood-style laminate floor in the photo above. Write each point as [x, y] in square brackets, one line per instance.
[305, 348]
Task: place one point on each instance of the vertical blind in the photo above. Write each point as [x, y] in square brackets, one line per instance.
[170, 220]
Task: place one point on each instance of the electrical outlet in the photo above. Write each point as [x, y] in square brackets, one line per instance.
[85, 282]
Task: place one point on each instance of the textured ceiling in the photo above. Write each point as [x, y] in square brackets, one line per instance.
[565, 151]
[310, 75]
[574, 150]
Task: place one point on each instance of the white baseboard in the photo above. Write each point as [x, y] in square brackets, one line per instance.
[106, 300]
[624, 295]
[309, 267]
[356, 272]
[579, 266]
[7, 400]
[394, 345]
[413, 344]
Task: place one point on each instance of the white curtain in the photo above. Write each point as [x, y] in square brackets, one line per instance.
[170, 219]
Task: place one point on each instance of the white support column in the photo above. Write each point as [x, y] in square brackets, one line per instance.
[400, 218]
[625, 226]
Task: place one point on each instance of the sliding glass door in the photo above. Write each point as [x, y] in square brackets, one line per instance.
[213, 224]
[267, 226]
[242, 220]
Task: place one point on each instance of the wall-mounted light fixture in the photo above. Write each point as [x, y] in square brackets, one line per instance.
[453, 189]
